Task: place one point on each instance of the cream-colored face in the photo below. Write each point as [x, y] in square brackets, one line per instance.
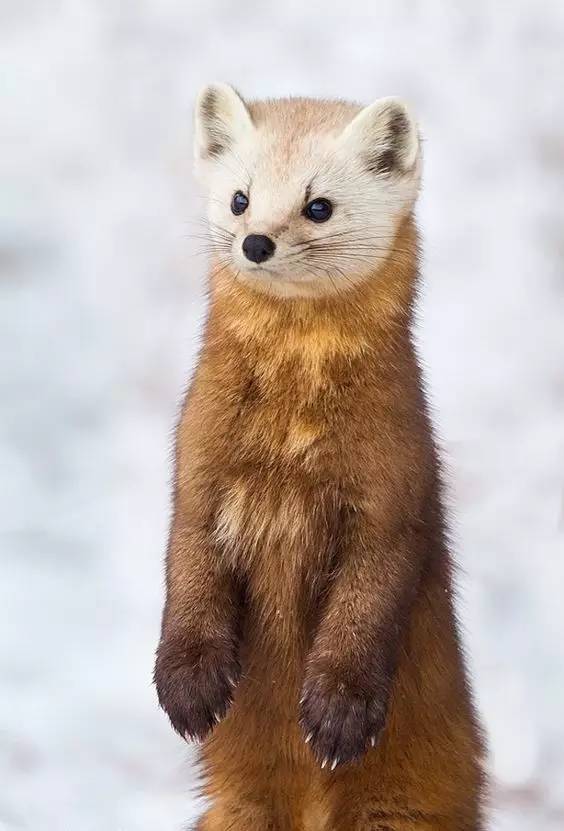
[305, 196]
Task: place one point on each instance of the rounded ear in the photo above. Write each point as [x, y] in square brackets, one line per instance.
[221, 118]
[385, 135]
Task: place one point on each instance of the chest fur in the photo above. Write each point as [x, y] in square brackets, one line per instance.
[278, 499]
[279, 531]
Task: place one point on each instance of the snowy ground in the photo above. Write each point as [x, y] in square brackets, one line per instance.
[100, 307]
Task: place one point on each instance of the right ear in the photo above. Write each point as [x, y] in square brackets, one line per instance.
[220, 120]
[385, 135]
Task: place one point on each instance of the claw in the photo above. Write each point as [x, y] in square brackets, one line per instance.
[324, 763]
[217, 717]
[335, 763]
[308, 738]
[373, 741]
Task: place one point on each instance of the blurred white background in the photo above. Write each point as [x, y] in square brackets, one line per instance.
[101, 302]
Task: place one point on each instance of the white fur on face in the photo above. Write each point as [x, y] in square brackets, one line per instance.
[366, 164]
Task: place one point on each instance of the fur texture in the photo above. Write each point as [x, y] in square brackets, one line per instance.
[309, 635]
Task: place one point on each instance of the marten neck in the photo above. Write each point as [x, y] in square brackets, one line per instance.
[374, 316]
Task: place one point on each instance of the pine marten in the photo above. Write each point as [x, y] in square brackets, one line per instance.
[309, 639]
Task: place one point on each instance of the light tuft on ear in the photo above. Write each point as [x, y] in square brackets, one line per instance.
[386, 137]
[221, 119]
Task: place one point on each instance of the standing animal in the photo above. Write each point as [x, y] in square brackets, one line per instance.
[309, 638]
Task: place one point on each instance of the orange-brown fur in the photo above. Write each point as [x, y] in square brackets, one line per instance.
[307, 558]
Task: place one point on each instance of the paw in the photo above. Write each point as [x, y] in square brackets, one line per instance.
[195, 683]
[340, 719]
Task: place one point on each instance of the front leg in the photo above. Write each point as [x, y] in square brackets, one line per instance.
[197, 664]
[350, 667]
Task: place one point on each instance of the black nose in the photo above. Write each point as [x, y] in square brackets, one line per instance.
[258, 248]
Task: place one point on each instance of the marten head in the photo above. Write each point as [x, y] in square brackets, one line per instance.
[305, 196]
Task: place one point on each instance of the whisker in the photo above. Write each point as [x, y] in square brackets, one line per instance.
[222, 265]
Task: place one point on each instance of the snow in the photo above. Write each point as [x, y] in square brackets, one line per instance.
[100, 309]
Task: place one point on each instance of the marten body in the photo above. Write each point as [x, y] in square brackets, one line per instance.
[309, 618]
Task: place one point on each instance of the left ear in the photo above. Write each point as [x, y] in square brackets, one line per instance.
[221, 119]
[385, 135]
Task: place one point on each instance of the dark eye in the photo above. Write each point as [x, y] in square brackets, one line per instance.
[239, 203]
[319, 210]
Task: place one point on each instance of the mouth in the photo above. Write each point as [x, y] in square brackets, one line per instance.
[260, 269]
